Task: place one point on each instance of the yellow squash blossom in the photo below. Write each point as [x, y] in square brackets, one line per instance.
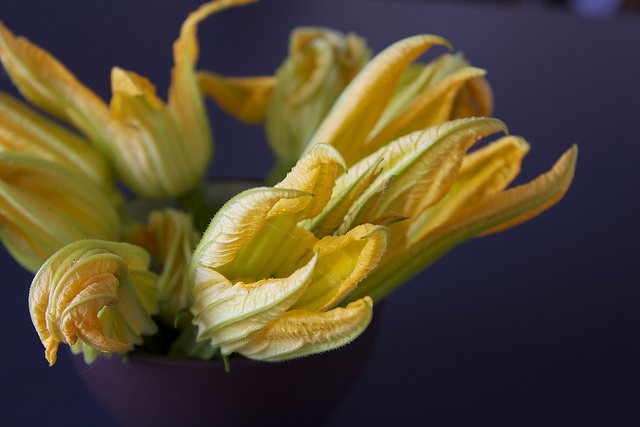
[434, 197]
[391, 97]
[23, 129]
[157, 149]
[96, 296]
[265, 287]
[320, 64]
[44, 206]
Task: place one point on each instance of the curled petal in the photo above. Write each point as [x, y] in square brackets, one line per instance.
[87, 293]
[514, 206]
[418, 169]
[299, 333]
[428, 108]
[225, 312]
[475, 99]
[493, 213]
[343, 262]
[245, 98]
[315, 173]
[333, 217]
[235, 224]
[320, 64]
[426, 163]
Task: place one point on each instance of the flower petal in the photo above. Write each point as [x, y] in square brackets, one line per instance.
[357, 110]
[87, 290]
[509, 208]
[245, 98]
[332, 218]
[475, 99]
[484, 172]
[226, 312]
[429, 108]
[493, 213]
[45, 206]
[45, 82]
[315, 173]
[343, 261]
[301, 333]
[235, 224]
[423, 165]
[23, 129]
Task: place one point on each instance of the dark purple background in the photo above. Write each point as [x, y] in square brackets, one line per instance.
[535, 326]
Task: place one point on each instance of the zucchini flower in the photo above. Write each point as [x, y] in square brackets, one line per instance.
[170, 238]
[269, 289]
[320, 64]
[434, 197]
[95, 296]
[23, 129]
[392, 97]
[157, 149]
[45, 206]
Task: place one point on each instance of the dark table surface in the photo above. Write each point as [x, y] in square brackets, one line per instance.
[535, 326]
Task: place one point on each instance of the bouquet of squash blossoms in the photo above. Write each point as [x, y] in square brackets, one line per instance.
[372, 183]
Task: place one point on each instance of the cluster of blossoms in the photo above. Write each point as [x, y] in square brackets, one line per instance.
[372, 183]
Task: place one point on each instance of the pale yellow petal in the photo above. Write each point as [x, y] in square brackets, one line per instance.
[315, 173]
[225, 312]
[494, 213]
[185, 98]
[132, 84]
[236, 223]
[301, 333]
[87, 291]
[365, 209]
[521, 203]
[44, 206]
[23, 129]
[343, 261]
[423, 164]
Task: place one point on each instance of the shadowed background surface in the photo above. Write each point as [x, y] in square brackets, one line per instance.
[535, 326]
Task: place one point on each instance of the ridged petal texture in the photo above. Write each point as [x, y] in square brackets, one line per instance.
[256, 272]
[45, 206]
[94, 295]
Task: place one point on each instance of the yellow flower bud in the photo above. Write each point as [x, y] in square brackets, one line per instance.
[96, 296]
[44, 206]
[320, 64]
